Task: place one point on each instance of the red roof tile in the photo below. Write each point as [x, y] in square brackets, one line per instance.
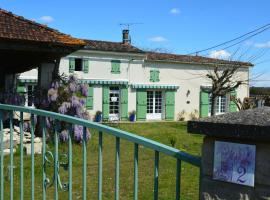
[98, 45]
[13, 27]
[192, 59]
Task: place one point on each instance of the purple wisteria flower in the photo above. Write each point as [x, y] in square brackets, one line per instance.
[73, 78]
[63, 136]
[78, 133]
[75, 102]
[63, 109]
[82, 101]
[84, 89]
[72, 87]
[55, 85]
[52, 95]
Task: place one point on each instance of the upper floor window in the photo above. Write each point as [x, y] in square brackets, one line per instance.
[115, 66]
[78, 64]
[154, 75]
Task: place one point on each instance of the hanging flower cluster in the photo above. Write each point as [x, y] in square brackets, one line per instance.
[12, 98]
[69, 98]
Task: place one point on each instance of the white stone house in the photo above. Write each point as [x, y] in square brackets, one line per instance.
[158, 86]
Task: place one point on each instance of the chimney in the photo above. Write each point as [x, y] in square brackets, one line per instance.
[126, 38]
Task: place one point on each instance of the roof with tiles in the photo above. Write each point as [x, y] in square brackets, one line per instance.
[153, 56]
[13, 27]
[98, 45]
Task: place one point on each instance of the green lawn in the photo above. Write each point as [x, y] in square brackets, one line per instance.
[161, 132]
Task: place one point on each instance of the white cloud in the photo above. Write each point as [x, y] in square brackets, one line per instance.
[263, 45]
[220, 54]
[158, 39]
[175, 11]
[46, 19]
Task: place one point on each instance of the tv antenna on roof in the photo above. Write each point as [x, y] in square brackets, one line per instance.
[128, 25]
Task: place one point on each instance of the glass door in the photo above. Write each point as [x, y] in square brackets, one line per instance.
[114, 104]
[154, 105]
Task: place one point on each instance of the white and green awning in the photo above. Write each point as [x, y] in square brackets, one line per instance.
[104, 82]
[28, 80]
[155, 86]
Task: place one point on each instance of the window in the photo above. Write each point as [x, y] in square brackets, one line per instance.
[154, 75]
[221, 104]
[29, 96]
[114, 100]
[115, 66]
[78, 64]
[154, 105]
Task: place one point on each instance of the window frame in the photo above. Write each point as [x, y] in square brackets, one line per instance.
[221, 106]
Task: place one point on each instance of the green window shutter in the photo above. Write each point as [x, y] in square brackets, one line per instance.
[71, 65]
[169, 105]
[85, 66]
[157, 76]
[232, 105]
[154, 75]
[105, 102]
[204, 104]
[115, 64]
[21, 89]
[141, 104]
[124, 103]
[90, 98]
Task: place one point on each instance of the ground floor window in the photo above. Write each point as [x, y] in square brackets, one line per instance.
[154, 105]
[114, 107]
[30, 94]
[221, 104]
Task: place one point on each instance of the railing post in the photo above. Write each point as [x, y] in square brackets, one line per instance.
[156, 174]
[136, 171]
[43, 124]
[32, 157]
[100, 166]
[178, 179]
[2, 155]
[11, 167]
[21, 155]
[56, 162]
[117, 168]
[70, 163]
[84, 163]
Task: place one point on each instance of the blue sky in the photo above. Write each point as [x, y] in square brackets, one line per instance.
[173, 25]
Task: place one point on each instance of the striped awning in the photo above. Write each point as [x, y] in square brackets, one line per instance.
[28, 80]
[154, 86]
[104, 82]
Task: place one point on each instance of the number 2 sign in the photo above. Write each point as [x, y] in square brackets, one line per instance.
[234, 163]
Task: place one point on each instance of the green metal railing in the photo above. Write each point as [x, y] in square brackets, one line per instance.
[47, 157]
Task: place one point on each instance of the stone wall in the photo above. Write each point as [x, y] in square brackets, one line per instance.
[216, 190]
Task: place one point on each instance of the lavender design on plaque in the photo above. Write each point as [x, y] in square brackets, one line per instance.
[234, 163]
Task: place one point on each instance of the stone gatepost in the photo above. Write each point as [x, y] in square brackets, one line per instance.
[235, 155]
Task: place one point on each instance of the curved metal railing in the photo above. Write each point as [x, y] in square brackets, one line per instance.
[119, 134]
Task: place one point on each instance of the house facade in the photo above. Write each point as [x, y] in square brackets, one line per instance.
[157, 86]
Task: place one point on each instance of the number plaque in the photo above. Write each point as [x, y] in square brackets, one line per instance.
[234, 163]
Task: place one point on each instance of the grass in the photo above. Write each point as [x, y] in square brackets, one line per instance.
[161, 132]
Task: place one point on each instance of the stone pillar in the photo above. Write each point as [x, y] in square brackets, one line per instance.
[249, 132]
[10, 82]
[45, 75]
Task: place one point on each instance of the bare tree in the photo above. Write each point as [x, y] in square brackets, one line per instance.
[222, 83]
